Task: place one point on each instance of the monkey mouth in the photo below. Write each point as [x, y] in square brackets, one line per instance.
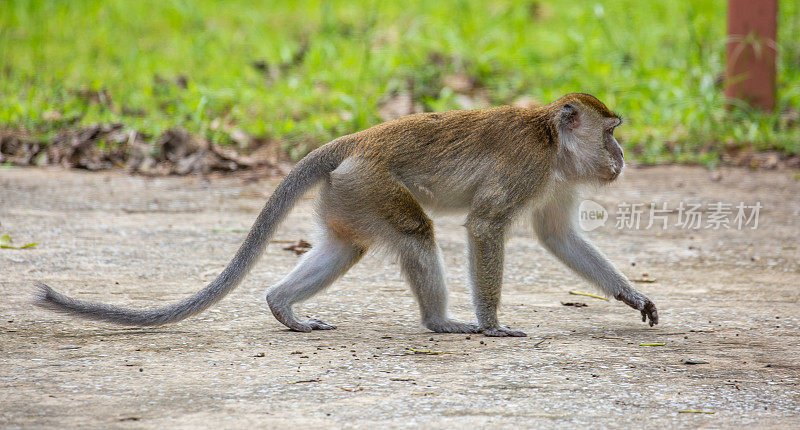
[613, 174]
[617, 169]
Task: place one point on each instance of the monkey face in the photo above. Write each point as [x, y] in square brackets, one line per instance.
[588, 150]
[603, 155]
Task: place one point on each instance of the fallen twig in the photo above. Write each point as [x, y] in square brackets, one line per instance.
[578, 293]
[575, 304]
[299, 247]
[540, 342]
[427, 352]
[352, 390]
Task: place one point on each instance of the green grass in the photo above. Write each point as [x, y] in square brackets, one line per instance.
[659, 64]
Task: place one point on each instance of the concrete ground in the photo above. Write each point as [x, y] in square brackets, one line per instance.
[727, 297]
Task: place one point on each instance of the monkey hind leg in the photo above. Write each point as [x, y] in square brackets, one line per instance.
[411, 236]
[371, 206]
[422, 266]
[318, 268]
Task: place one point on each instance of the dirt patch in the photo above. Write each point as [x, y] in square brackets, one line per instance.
[727, 301]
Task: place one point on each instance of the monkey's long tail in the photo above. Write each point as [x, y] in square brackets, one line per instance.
[310, 170]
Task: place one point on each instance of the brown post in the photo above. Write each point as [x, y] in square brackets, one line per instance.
[752, 36]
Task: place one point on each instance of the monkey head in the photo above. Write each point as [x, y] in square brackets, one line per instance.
[587, 150]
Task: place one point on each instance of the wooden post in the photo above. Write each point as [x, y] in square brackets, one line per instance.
[750, 66]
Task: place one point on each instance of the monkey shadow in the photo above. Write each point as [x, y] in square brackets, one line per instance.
[112, 333]
[626, 332]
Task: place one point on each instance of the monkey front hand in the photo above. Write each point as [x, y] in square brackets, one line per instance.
[641, 303]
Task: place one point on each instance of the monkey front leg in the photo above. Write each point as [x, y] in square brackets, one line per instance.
[569, 245]
[486, 275]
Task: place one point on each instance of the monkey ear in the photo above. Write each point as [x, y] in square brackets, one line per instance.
[569, 117]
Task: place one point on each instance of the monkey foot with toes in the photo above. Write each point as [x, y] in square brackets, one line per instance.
[311, 324]
[502, 331]
[451, 326]
[376, 184]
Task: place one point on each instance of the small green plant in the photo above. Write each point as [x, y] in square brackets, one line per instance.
[5, 243]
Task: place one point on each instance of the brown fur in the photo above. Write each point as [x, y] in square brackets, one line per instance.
[589, 101]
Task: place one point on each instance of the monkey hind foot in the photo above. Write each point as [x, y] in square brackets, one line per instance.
[287, 318]
[319, 325]
[307, 325]
[451, 326]
[502, 331]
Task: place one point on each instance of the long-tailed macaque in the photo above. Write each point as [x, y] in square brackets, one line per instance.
[494, 164]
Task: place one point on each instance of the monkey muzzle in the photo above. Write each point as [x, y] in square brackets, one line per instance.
[615, 171]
